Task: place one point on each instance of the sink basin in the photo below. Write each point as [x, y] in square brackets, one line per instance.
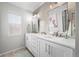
[53, 37]
[47, 36]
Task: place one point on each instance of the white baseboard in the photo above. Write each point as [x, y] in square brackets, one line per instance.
[11, 51]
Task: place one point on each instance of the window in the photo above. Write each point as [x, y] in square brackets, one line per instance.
[14, 24]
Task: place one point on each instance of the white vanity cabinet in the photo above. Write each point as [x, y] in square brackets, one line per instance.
[28, 42]
[48, 49]
[60, 51]
[42, 47]
[32, 44]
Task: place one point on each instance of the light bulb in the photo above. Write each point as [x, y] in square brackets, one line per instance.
[50, 6]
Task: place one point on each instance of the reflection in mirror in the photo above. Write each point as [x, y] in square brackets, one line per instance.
[62, 20]
[71, 17]
[58, 19]
[65, 21]
[33, 26]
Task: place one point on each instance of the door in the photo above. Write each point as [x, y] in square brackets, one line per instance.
[35, 46]
[44, 48]
[60, 51]
[28, 41]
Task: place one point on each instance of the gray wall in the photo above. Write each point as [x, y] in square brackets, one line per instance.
[11, 42]
[77, 29]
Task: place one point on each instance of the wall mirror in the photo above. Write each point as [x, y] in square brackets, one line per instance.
[33, 26]
[62, 19]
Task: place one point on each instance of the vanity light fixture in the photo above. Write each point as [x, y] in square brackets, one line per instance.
[50, 6]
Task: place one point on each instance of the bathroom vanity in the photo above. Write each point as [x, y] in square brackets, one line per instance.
[49, 46]
[61, 23]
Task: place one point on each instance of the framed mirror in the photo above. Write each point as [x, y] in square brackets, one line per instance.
[62, 19]
[58, 19]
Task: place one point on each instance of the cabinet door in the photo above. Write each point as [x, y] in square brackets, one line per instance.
[28, 41]
[35, 46]
[60, 51]
[44, 48]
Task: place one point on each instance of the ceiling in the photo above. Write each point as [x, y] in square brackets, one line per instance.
[29, 6]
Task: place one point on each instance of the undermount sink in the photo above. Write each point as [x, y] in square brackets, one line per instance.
[53, 37]
[47, 36]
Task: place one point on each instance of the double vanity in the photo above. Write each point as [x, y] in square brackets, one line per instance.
[49, 46]
[57, 30]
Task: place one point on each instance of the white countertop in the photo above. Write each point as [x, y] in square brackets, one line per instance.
[70, 43]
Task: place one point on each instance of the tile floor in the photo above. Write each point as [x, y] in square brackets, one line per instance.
[18, 53]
